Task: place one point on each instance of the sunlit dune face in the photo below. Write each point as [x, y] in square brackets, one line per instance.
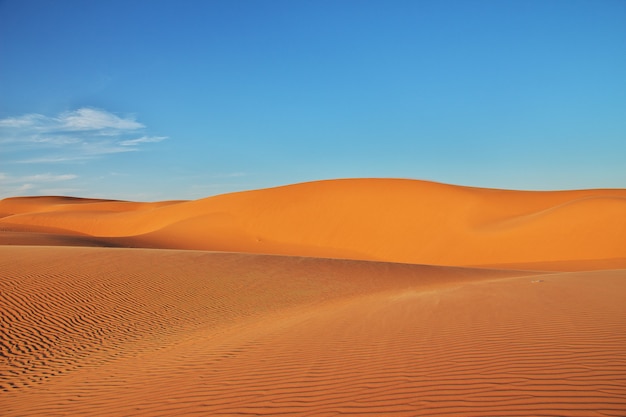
[371, 219]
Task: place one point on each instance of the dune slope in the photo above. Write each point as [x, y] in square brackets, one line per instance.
[372, 219]
[105, 331]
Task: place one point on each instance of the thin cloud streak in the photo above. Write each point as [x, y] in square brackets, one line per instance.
[31, 184]
[81, 134]
[143, 139]
[55, 159]
[94, 119]
[26, 121]
[83, 119]
[48, 177]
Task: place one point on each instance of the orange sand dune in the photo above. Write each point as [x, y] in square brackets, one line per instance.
[142, 332]
[21, 205]
[53, 239]
[372, 219]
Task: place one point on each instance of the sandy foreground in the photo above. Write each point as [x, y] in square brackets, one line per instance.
[316, 299]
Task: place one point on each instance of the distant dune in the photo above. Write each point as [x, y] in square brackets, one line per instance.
[370, 219]
[357, 297]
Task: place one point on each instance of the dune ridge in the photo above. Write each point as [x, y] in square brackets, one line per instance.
[406, 221]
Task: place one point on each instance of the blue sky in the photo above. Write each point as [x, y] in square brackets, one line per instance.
[152, 100]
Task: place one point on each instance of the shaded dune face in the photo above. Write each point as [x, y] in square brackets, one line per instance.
[372, 219]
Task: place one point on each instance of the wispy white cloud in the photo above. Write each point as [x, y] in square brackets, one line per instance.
[94, 119]
[33, 144]
[54, 159]
[143, 139]
[47, 177]
[83, 119]
[230, 175]
[25, 121]
[81, 134]
[24, 187]
[31, 184]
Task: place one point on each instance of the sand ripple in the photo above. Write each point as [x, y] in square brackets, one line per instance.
[100, 331]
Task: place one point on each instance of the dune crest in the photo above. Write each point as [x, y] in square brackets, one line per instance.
[392, 220]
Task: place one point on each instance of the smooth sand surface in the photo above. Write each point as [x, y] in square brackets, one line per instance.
[372, 219]
[99, 316]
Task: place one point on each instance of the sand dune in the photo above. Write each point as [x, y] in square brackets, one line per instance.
[87, 293]
[315, 299]
[371, 219]
[102, 331]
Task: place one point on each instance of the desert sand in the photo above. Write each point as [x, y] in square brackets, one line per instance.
[362, 297]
